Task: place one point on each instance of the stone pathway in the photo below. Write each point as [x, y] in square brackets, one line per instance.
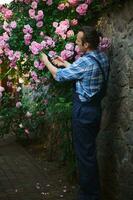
[20, 176]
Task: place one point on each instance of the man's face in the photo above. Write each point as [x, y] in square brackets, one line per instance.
[82, 47]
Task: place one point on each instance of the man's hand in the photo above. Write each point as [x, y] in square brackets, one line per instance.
[44, 58]
[58, 61]
[51, 68]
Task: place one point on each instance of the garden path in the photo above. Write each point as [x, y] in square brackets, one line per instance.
[22, 178]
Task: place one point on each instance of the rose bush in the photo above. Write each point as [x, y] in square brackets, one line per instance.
[29, 98]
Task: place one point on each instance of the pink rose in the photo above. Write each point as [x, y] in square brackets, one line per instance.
[65, 54]
[5, 36]
[41, 33]
[32, 13]
[39, 24]
[18, 104]
[40, 15]
[41, 66]
[8, 14]
[27, 29]
[34, 5]
[65, 23]
[34, 75]
[17, 55]
[105, 43]
[52, 53]
[69, 46]
[36, 63]
[35, 47]
[13, 24]
[55, 24]
[73, 2]
[61, 6]
[70, 33]
[88, 1]
[82, 9]
[49, 2]
[28, 36]
[74, 22]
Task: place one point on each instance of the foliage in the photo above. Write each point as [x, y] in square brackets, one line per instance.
[29, 97]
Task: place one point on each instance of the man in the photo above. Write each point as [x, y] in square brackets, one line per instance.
[89, 73]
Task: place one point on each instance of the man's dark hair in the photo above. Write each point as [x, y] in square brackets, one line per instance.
[90, 35]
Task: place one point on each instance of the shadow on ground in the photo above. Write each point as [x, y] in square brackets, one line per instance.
[25, 174]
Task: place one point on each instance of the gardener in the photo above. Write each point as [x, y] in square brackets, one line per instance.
[89, 73]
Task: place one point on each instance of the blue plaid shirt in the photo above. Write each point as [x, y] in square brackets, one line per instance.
[87, 74]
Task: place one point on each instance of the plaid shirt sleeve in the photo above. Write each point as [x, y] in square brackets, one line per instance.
[74, 71]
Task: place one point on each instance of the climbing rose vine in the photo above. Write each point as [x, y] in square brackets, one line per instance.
[28, 27]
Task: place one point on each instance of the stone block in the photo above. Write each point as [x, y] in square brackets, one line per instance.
[130, 52]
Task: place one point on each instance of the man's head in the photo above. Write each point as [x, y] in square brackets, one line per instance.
[87, 39]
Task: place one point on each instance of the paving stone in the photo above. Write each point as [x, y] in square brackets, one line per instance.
[19, 174]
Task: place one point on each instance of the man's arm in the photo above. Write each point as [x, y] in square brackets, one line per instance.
[48, 64]
[74, 71]
[60, 62]
[66, 64]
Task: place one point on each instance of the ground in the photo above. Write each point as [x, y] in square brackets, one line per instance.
[26, 174]
[59, 184]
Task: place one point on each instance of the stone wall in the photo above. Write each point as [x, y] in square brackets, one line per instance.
[115, 141]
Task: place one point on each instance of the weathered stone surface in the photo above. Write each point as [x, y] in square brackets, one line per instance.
[130, 52]
[115, 141]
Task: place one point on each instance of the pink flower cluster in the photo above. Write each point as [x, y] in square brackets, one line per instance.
[105, 43]
[39, 65]
[48, 42]
[62, 29]
[74, 22]
[81, 8]
[13, 57]
[73, 2]
[36, 47]
[49, 2]
[68, 52]
[7, 13]
[62, 6]
[24, 1]
[8, 27]
[27, 30]
[39, 16]
[3, 44]
[34, 76]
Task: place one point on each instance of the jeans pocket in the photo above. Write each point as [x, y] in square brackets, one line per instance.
[89, 114]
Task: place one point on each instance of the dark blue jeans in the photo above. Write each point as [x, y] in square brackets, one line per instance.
[86, 119]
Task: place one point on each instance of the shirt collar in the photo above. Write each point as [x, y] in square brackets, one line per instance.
[93, 52]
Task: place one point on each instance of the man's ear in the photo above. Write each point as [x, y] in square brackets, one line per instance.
[87, 45]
